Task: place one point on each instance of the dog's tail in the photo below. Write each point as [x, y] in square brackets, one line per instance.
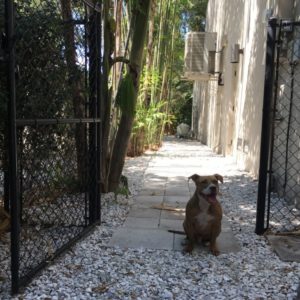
[176, 231]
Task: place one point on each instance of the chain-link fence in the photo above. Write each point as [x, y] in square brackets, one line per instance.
[52, 58]
[283, 184]
[285, 164]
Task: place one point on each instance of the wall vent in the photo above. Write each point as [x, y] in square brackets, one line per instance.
[199, 56]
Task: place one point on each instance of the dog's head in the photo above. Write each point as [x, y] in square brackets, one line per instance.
[207, 186]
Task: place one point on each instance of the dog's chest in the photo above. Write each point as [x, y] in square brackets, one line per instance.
[203, 218]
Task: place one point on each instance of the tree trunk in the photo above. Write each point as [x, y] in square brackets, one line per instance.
[157, 51]
[171, 61]
[118, 49]
[149, 58]
[106, 96]
[140, 21]
[76, 87]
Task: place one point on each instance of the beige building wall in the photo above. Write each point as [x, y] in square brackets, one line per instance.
[230, 116]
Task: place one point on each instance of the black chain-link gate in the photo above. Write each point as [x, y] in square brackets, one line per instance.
[50, 130]
[279, 182]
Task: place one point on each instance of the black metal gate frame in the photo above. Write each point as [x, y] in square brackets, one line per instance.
[265, 129]
[268, 123]
[14, 123]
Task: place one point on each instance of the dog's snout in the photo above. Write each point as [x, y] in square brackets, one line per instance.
[213, 189]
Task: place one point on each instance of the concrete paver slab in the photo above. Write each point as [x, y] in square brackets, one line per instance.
[148, 201]
[228, 243]
[167, 224]
[142, 238]
[152, 192]
[173, 215]
[180, 190]
[166, 185]
[154, 185]
[286, 247]
[142, 223]
[177, 184]
[144, 213]
[176, 201]
[226, 224]
[177, 191]
[177, 179]
[150, 177]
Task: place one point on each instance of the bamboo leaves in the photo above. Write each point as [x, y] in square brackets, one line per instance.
[125, 99]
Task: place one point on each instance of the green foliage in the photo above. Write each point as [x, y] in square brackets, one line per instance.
[171, 98]
[193, 15]
[63, 179]
[148, 79]
[123, 188]
[126, 95]
[181, 103]
[43, 87]
[150, 121]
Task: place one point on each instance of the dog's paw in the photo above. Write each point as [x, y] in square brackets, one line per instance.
[215, 252]
[184, 242]
[188, 248]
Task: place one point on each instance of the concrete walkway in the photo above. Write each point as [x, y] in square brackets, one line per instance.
[160, 205]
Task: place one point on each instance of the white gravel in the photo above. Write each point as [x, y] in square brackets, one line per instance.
[91, 270]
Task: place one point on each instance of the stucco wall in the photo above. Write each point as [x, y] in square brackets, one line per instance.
[230, 115]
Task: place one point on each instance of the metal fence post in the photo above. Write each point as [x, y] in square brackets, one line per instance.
[265, 129]
[98, 101]
[12, 134]
[93, 112]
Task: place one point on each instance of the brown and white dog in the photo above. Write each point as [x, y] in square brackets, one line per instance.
[203, 214]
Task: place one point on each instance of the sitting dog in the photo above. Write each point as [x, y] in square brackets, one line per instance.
[203, 213]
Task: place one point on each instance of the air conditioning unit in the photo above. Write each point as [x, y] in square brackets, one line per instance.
[199, 56]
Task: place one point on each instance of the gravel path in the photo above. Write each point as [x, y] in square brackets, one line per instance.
[91, 270]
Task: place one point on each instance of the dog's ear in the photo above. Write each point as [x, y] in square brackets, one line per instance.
[194, 177]
[219, 177]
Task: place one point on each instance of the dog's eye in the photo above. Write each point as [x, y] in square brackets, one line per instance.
[204, 181]
[215, 181]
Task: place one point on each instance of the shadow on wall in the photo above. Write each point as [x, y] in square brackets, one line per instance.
[252, 110]
[241, 98]
[231, 115]
[234, 14]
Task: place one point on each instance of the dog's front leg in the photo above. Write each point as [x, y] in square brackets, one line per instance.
[213, 247]
[190, 246]
[191, 240]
